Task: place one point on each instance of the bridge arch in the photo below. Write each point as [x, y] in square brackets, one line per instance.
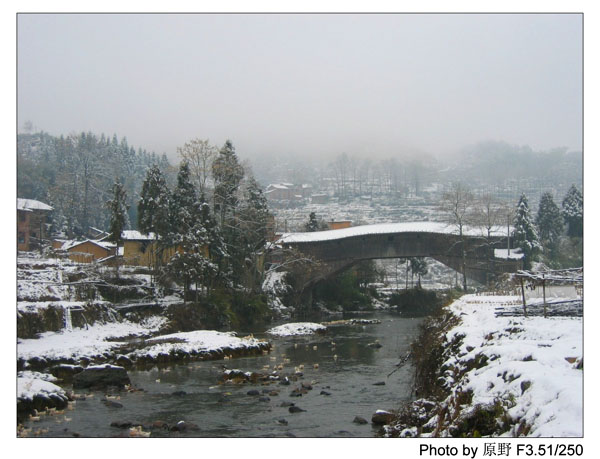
[337, 250]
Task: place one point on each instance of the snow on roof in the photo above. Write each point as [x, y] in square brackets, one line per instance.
[278, 186]
[515, 254]
[72, 244]
[386, 228]
[134, 235]
[31, 204]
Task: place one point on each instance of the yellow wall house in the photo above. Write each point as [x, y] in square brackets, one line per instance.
[140, 249]
[89, 250]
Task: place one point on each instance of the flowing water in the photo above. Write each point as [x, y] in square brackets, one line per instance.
[226, 410]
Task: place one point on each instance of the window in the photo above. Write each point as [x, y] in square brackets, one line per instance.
[21, 238]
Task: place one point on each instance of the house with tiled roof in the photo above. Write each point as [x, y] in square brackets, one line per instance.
[32, 223]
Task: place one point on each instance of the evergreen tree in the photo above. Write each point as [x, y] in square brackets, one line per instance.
[118, 219]
[313, 223]
[203, 251]
[153, 209]
[549, 223]
[525, 235]
[184, 207]
[572, 211]
[227, 174]
[252, 222]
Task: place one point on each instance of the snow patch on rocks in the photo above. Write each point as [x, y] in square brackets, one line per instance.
[297, 328]
[32, 383]
[196, 341]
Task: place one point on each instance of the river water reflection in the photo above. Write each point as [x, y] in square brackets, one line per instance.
[347, 371]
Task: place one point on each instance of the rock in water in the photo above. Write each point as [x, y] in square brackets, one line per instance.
[101, 376]
[295, 409]
[112, 404]
[382, 417]
[360, 420]
[182, 426]
[65, 371]
[160, 425]
[253, 392]
[324, 392]
[121, 424]
[380, 383]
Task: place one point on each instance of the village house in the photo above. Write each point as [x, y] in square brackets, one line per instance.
[288, 191]
[319, 198]
[89, 250]
[140, 249]
[339, 224]
[32, 223]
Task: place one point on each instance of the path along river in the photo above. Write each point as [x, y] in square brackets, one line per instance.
[226, 410]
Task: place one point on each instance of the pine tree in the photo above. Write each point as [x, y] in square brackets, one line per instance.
[252, 222]
[227, 174]
[153, 209]
[572, 211]
[199, 262]
[313, 223]
[118, 219]
[525, 235]
[549, 223]
[184, 208]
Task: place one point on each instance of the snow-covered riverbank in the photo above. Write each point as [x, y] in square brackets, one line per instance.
[523, 373]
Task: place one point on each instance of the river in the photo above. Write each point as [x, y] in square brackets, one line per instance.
[226, 410]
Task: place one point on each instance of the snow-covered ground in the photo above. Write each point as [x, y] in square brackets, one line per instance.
[531, 359]
[531, 368]
[84, 342]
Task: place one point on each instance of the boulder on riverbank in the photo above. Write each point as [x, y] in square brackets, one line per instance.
[101, 376]
[37, 392]
[382, 417]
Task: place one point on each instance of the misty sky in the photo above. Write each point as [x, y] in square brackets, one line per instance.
[305, 84]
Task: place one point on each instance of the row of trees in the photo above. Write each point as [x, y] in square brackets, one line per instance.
[546, 234]
[219, 231]
[74, 174]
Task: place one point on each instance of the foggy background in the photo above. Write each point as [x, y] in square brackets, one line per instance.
[305, 85]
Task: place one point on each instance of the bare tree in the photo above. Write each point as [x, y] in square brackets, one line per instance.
[200, 155]
[457, 203]
[488, 214]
